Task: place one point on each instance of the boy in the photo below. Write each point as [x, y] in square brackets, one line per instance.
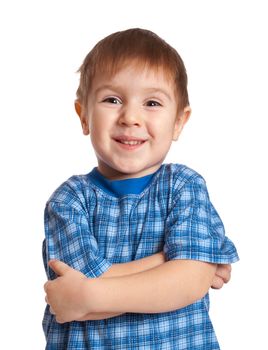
[142, 241]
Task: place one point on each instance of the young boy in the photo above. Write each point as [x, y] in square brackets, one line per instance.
[139, 241]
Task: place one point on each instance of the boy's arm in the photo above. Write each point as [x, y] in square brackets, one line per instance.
[123, 269]
[222, 275]
[169, 286]
[135, 266]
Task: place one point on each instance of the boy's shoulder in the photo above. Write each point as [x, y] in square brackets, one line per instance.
[71, 190]
[180, 175]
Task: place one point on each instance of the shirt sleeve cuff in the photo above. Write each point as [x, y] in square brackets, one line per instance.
[97, 267]
[220, 258]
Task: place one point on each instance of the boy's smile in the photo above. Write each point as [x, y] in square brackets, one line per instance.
[132, 118]
[129, 142]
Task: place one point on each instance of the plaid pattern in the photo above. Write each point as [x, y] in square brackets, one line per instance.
[90, 230]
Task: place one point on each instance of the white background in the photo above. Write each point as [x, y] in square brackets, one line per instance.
[224, 47]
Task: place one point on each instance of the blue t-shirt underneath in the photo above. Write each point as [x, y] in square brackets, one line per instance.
[119, 188]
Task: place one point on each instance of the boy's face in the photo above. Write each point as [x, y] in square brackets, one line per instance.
[132, 118]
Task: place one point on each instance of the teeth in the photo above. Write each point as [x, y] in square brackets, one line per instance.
[132, 143]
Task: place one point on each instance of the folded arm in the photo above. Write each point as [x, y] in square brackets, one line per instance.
[221, 276]
[169, 286]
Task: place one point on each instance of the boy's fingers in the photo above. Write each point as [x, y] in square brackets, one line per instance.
[224, 271]
[46, 285]
[217, 283]
[52, 311]
[59, 267]
[60, 320]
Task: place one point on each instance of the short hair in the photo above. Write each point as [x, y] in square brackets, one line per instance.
[143, 47]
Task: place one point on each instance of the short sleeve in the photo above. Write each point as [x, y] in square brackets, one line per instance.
[194, 229]
[69, 239]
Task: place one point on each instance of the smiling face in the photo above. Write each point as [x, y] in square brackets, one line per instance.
[132, 119]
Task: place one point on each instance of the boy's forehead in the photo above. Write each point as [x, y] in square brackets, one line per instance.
[140, 70]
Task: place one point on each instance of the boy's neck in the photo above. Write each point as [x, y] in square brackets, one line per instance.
[112, 174]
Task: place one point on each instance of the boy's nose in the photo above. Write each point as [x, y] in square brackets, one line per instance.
[130, 117]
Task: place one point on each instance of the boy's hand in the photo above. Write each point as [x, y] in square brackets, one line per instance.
[65, 294]
[222, 275]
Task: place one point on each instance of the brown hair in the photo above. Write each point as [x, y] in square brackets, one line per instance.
[143, 47]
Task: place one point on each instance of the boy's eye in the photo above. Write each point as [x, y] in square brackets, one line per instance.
[112, 100]
[152, 103]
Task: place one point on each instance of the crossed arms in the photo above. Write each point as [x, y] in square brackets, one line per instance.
[148, 285]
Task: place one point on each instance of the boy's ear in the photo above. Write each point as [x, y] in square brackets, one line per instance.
[81, 111]
[181, 120]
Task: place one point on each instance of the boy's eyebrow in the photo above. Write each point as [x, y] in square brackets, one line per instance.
[114, 87]
[156, 89]
[106, 87]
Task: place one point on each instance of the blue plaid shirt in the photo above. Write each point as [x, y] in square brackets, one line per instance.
[90, 229]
